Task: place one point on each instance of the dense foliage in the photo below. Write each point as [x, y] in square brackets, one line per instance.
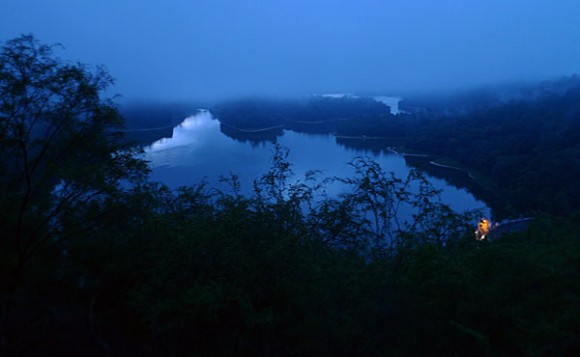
[147, 122]
[529, 149]
[312, 113]
[523, 140]
[194, 271]
[59, 149]
[138, 269]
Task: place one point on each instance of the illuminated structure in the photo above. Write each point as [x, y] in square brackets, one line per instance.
[483, 228]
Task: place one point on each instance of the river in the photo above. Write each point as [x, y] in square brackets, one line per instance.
[198, 150]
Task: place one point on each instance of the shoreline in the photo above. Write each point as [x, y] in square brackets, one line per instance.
[281, 126]
[311, 122]
[433, 162]
[364, 137]
[453, 168]
[146, 129]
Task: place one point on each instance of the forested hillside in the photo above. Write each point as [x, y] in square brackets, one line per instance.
[95, 259]
[530, 149]
[523, 141]
[327, 111]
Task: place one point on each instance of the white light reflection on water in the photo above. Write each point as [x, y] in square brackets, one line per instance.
[198, 150]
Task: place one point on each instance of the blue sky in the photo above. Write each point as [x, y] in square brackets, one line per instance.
[205, 49]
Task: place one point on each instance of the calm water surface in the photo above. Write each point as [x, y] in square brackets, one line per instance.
[198, 150]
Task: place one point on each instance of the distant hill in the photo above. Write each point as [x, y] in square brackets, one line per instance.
[485, 97]
[147, 122]
[529, 145]
[141, 115]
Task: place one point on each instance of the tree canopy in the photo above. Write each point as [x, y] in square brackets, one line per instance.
[96, 260]
[59, 143]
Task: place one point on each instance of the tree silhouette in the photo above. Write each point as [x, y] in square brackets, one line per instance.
[59, 147]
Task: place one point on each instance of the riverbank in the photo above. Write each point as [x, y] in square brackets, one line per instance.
[251, 131]
[365, 137]
[368, 144]
[469, 179]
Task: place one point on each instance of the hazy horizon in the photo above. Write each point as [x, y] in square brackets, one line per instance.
[212, 50]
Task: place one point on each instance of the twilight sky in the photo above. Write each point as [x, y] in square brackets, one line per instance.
[206, 49]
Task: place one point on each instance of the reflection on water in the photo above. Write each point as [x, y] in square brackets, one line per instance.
[192, 131]
[198, 150]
